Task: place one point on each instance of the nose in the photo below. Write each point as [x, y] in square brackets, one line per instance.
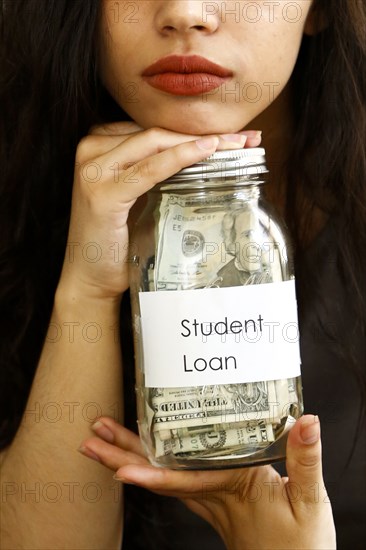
[186, 17]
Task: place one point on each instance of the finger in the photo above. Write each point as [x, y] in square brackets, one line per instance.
[163, 480]
[103, 141]
[151, 142]
[134, 181]
[109, 455]
[231, 141]
[254, 138]
[112, 432]
[303, 462]
[119, 128]
[102, 138]
[140, 145]
[186, 484]
[96, 145]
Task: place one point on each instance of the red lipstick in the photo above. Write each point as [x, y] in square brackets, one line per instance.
[185, 75]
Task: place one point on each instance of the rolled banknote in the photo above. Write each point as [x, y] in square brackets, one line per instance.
[176, 408]
[249, 436]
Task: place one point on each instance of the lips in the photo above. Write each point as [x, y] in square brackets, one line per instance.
[185, 75]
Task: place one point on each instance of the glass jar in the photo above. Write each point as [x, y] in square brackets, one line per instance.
[214, 319]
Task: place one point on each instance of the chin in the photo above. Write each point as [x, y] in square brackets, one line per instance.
[193, 127]
[197, 123]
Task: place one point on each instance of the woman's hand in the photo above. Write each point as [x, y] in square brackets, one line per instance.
[251, 508]
[115, 165]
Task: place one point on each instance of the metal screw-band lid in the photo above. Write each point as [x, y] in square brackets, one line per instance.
[239, 164]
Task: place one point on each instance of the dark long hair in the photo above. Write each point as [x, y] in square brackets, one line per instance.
[50, 95]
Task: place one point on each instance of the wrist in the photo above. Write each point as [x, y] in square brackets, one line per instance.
[73, 296]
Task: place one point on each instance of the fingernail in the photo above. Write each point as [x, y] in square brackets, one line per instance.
[207, 143]
[234, 138]
[122, 480]
[102, 430]
[310, 430]
[87, 452]
[118, 478]
[252, 133]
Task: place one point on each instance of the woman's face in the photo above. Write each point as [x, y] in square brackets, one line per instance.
[255, 44]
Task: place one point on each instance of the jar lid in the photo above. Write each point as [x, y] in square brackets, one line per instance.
[226, 165]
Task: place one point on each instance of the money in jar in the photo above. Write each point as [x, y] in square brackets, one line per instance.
[214, 318]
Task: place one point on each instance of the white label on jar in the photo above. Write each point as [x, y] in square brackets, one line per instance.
[220, 335]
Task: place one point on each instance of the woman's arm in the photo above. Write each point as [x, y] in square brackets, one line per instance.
[53, 497]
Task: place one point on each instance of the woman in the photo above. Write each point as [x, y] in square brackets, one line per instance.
[78, 95]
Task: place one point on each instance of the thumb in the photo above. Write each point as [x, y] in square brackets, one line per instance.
[303, 462]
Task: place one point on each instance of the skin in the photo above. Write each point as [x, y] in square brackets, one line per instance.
[251, 508]
[161, 141]
[262, 52]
